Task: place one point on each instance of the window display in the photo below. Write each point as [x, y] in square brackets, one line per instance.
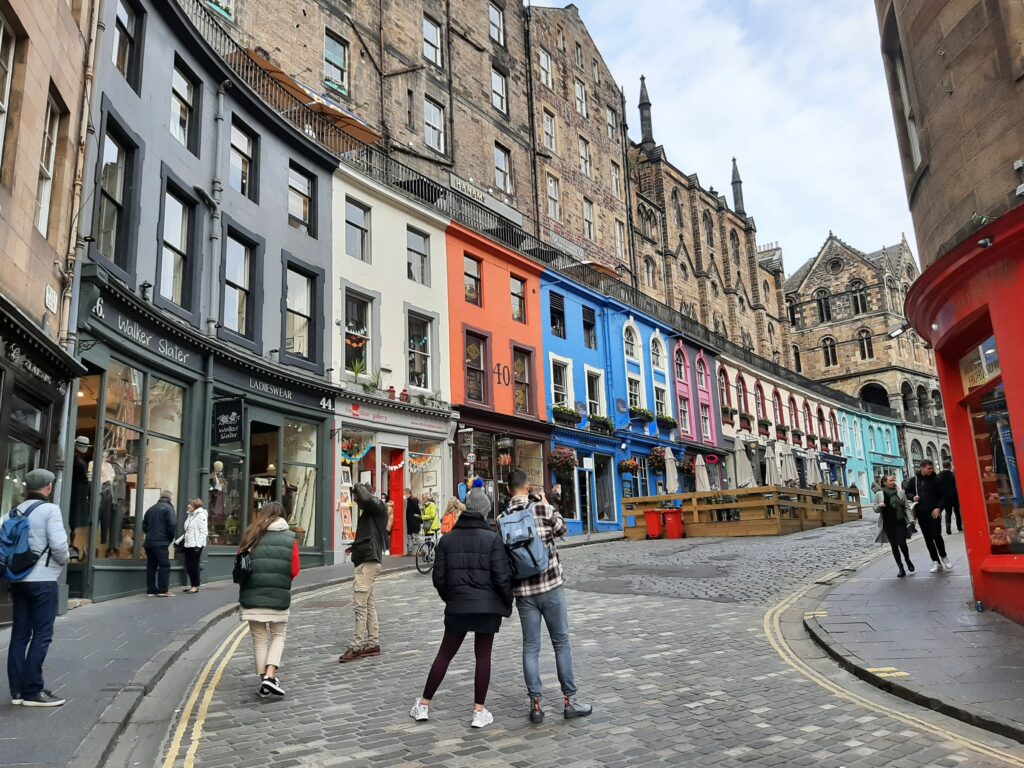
[1000, 474]
[299, 491]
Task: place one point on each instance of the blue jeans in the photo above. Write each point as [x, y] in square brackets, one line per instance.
[34, 608]
[552, 607]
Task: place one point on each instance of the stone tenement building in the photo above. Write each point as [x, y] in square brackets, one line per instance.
[842, 306]
[698, 255]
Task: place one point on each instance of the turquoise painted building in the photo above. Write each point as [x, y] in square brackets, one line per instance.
[872, 447]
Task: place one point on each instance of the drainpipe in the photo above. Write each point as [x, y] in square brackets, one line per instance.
[533, 121]
[216, 190]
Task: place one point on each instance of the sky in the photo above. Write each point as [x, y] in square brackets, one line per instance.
[795, 90]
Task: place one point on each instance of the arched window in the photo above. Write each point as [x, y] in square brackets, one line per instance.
[766, 292]
[714, 289]
[888, 442]
[657, 353]
[743, 303]
[796, 359]
[681, 366]
[709, 230]
[771, 335]
[834, 424]
[794, 412]
[929, 452]
[894, 296]
[677, 207]
[822, 427]
[741, 395]
[702, 375]
[759, 402]
[650, 273]
[916, 454]
[859, 297]
[828, 352]
[723, 387]
[808, 424]
[629, 343]
[684, 271]
[791, 309]
[824, 302]
[734, 246]
[777, 409]
[871, 437]
[846, 431]
[944, 455]
[867, 349]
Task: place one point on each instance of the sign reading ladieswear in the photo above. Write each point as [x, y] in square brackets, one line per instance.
[260, 383]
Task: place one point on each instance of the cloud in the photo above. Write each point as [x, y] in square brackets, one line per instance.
[794, 90]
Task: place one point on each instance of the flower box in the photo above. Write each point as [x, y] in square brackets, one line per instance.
[565, 415]
[666, 422]
[601, 424]
[746, 419]
[640, 414]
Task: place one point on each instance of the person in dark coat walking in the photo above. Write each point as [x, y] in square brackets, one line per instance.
[413, 521]
[159, 524]
[892, 508]
[952, 498]
[926, 492]
[473, 577]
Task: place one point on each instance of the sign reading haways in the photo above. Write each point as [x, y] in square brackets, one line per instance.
[228, 421]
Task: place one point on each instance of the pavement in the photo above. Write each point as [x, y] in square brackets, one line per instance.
[921, 638]
[106, 657]
[673, 645]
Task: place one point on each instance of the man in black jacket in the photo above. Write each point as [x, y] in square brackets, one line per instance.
[368, 558]
[413, 522]
[926, 494]
[158, 525]
[952, 497]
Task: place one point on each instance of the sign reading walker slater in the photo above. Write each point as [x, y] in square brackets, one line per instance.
[228, 421]
[145, 333]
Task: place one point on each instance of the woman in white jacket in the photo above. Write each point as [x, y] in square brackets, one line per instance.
[193, 541]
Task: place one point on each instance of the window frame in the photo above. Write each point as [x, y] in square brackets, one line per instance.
[661, 406]
[612, 123]
[615, 171]
[527, 383]
[547, 75]
[586, 167]
[594, 374]
[706, 426]
[424, 255]
[431, 321]
[478, 279]
[589, 327]
[193, 131]
[702, 374]
[659, 355]
[496, 24]
[554, 207]
[341, 87]
[683, 407]
[589, 229]
[513, 280]
[6, 33]
[632, 378]
[620, 240]
[253, 191]
[557, 362]
[134, 63]
[631, 343]
[171, 184]
[438, 59]
[551, 146]
[47, 166]
[580, 100]
[318, 278]
[829, 355]
[485, 366]
[371, 348]
[503, 152]
[309, 227]
[556, 304]
[366, 238]
[439, 128]
[254, 312]
[499, 78]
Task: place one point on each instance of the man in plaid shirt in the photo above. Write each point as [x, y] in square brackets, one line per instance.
[543, 597]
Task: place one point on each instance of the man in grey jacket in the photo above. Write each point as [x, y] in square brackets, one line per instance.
[34, 598]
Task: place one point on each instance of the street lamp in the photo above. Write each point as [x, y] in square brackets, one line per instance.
[895, 333]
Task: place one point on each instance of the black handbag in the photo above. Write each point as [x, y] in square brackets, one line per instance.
[911, 529]
[243, 567]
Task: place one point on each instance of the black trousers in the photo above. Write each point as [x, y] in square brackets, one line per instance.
[931, 529]
[896, 533]
[158, 570]
[954, 509]
[192, 557]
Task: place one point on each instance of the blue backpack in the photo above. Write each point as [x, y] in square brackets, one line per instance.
[16, 558]
[527, 552]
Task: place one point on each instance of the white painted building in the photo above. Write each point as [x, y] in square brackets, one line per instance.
[390, 348]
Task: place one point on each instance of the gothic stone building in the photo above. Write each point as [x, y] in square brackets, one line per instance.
[700, 256]
[843, 305]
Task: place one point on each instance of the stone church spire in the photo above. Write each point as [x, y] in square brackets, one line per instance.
[646, 127]
[737, 189]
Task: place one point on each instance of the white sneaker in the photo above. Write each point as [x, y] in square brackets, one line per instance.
[482, 718]
[946, 564]
[936, 567]
[419, 711]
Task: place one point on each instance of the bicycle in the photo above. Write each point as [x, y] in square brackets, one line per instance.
[425, 553]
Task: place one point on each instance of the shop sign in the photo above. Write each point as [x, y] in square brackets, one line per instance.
[13, 352]
[473, 192]
[143, 334]
[228, 419]
[394, 418]
[980, 365]
[263, 385]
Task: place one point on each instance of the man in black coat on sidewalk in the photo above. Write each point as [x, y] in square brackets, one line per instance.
[952, 497]
[159, 524]
[413, 522]
[926, 495]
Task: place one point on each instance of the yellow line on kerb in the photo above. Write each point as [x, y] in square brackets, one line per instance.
[773, 629]
[227, 649]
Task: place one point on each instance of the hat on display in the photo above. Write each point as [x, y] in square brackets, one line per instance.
[477, 501]
[82, 442]
[38, 479]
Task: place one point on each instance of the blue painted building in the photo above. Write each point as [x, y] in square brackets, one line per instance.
[872, 447]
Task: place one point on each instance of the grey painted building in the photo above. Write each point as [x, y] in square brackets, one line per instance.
[204, 266]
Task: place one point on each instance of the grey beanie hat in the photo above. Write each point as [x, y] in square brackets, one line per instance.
[38, 479]
[479, 502]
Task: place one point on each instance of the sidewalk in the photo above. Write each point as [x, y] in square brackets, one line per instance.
[921, 638]
[105, 657]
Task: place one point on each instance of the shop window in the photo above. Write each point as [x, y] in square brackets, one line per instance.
[589, 328]
[419, 351]
[184, 123]
[27, 438]
[471, 281]
[357, 230]
[357, 334]
[298, 494]
[476, 362]
[127, 46]
[557, 318]
[417, 249]
[518, 287]
[301, 199]
[560, 385]
[522, 368]
[243, 172]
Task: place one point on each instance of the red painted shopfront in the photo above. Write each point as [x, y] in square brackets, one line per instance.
[970, 305]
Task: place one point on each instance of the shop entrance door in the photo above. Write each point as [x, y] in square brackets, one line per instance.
[583, 485]
[605, 482]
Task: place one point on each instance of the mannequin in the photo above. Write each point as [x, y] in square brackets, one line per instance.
[106, 511]
[218, 489]
[79, 511]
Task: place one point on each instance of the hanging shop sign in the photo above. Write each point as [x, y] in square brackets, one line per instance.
[228, 420]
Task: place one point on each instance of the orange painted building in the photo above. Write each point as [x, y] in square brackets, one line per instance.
[497, 373]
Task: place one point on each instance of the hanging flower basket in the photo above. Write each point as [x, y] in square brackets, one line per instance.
[562, 461]
[640, 414]
[629, 467]
[656, 462]
[685, 467]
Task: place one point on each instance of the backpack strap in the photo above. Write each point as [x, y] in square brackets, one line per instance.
[28, 511]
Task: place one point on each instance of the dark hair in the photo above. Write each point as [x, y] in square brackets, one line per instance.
[926, 463]
[268, 514]
[947, 464]
[517, 479]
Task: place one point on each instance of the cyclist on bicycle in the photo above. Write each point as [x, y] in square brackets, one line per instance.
[431, 519]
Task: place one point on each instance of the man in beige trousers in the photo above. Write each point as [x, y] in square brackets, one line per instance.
[367, 556]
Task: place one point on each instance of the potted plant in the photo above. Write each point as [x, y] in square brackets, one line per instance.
[562, 461]
[656, 462]
[746, 419]
[727, 414]
[812, 440]
[666, 422]
[763, 425]
[781, 430]
[640, 414]
[629, 466]
[602, 424]
[565, 415]
[685, 467]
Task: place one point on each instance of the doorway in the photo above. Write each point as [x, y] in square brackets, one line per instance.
[605, 481]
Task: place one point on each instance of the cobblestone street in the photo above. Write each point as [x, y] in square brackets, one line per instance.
[670, 647]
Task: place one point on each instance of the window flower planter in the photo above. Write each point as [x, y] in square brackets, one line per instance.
[746, 420]
[565, 415]
[667, 423]
[641, 414]
[601, 424]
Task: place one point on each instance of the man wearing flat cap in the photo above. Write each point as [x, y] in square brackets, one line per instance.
[34, 598]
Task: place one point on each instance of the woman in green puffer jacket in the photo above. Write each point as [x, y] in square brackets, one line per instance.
[891, 507]
[265, 594]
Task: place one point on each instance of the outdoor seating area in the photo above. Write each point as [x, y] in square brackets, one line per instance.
[770, 510]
